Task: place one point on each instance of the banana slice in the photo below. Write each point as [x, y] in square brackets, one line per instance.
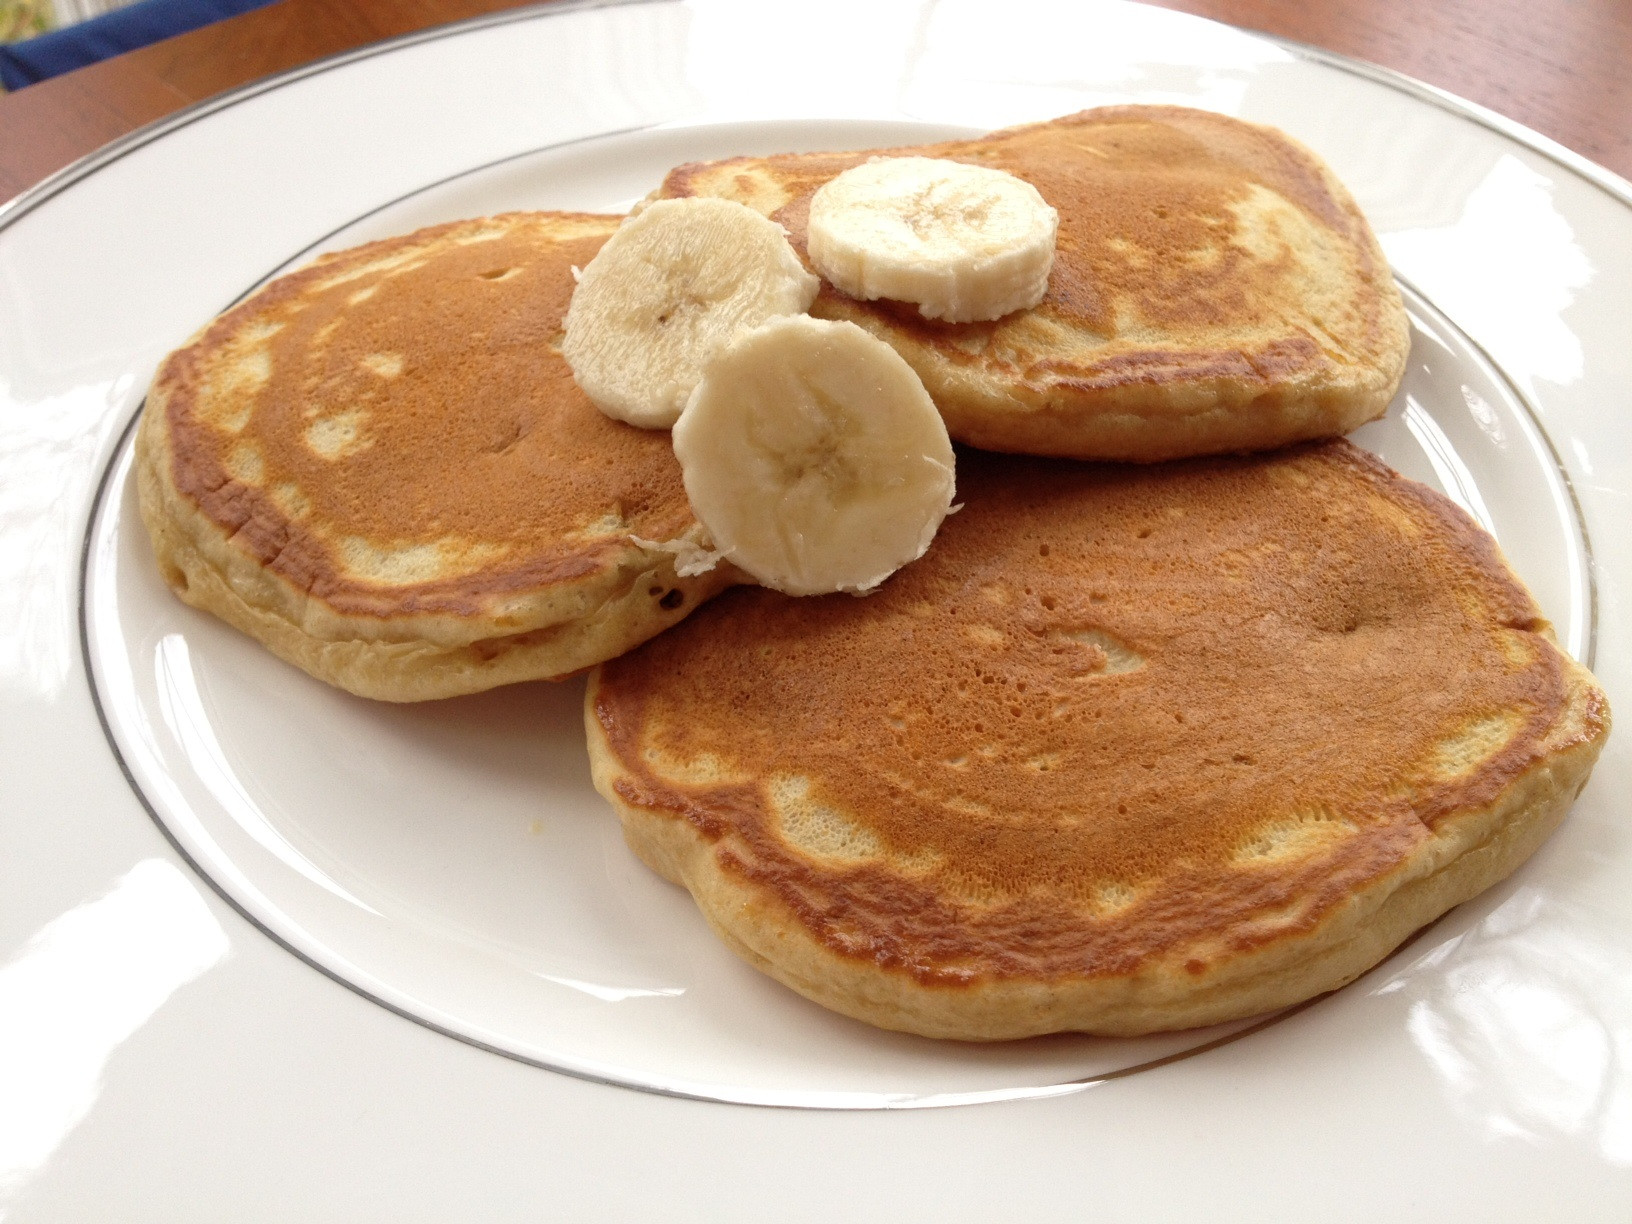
[963, 242]
[814, 457]
[676, 282]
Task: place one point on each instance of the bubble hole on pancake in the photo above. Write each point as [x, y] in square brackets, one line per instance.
[1215, 289]
[380, 467]
[1131, 749]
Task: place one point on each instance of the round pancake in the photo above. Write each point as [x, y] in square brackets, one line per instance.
[1130, 749]
[381, 468]
[1215, 289]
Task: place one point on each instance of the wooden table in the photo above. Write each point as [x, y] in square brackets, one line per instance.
[1558, 66]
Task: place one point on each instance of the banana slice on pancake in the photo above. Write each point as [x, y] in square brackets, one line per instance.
[814, 457]
[1214, 289]
[676, 282]
[965, 243]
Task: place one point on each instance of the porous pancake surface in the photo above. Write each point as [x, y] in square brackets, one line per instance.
[381, 466]
[1130, 749]
[1215, 289]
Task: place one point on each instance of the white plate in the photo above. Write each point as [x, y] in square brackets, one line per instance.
[162, 1056]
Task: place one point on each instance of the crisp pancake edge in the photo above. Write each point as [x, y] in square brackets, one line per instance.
[611, 611]
[1470, 851]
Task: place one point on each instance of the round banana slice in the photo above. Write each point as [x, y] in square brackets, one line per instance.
[676, 282]
[814, 457]
[963, 242]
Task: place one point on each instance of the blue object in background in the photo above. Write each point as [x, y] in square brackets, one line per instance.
[89, 42]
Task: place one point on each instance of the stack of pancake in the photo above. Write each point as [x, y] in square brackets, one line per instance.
[1136, 746]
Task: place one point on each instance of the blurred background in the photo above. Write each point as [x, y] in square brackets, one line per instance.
[22, 18]
[84, 72]
[26, 18]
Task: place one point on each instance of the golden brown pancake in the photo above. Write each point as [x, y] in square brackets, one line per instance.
[381, 468]
[1131, 748]
[1215, 289]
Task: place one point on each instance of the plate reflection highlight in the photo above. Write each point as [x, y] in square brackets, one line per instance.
[81, 986]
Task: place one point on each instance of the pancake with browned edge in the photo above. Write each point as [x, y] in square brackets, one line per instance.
[1215, 289]
[1131, 748]
[381, 468]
